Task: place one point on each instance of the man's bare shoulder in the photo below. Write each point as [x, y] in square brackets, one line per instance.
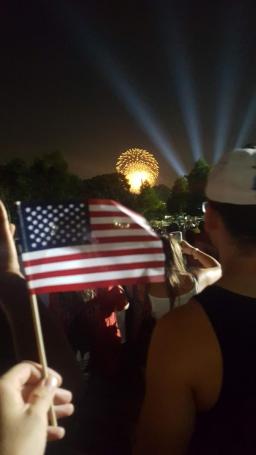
[182, 323]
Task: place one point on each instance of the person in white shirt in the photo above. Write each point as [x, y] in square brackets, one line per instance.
[181, 284]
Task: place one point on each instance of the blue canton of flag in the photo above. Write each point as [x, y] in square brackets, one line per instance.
[54, 225]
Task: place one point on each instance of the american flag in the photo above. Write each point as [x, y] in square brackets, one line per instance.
[77, 245]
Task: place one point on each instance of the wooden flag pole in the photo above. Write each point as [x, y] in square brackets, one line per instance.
[41, 349]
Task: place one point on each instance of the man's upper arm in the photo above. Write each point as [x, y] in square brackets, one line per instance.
[184, 375]
[206, 277]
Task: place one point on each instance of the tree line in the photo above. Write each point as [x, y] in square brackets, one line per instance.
[49, 178]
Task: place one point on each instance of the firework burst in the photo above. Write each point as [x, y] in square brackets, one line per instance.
[138, 166]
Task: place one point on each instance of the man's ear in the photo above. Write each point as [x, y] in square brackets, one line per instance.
[12, 228]
[211, 219]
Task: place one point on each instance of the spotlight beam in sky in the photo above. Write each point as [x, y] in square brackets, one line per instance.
[248, 123]
[187, 101]
[181, 73]
[140, 111]
[230, 78]
[91, 44]
[227, 95]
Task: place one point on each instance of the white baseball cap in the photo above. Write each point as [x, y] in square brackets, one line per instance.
[233, 179]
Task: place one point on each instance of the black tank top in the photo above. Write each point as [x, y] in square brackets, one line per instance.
[229, 428]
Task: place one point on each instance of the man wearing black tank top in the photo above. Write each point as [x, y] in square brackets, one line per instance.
[201, 372]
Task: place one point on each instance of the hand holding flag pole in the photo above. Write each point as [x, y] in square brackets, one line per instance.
[10, 264]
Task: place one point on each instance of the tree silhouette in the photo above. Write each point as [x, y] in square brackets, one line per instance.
[196, 185]
[178, 200]
[109, 186]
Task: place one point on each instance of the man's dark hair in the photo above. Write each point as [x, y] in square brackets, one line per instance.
[240, 221]
[250, 146]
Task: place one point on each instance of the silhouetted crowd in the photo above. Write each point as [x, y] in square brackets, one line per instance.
[151, 368]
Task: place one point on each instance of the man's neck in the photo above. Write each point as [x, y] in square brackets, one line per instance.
[239, 274]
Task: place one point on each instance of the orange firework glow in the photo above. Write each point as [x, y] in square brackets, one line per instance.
[138, 166]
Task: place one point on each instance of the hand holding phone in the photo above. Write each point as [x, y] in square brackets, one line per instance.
[177, 235]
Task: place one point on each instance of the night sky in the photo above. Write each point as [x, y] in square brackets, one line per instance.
[63, 63]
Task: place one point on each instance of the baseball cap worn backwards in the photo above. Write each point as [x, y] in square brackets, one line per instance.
[233, 179]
